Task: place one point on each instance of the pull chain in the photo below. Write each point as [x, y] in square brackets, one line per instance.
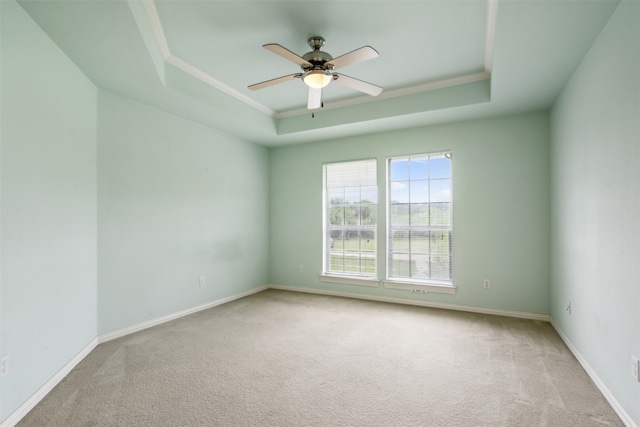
[313, 114]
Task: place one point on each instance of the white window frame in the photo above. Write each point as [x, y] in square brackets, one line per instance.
[356, 278]
[414, 284]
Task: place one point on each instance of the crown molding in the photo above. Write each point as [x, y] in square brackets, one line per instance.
[163, 45]
[492, 13]
[161, 39]
[409, 90]
[156, 26]
[212, 81]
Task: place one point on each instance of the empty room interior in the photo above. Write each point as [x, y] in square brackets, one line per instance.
[161, 160]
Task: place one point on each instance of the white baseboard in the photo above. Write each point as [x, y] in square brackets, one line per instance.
[159, 320]
[30, 403]
[617, 407]
[36, 397]
[421, 303]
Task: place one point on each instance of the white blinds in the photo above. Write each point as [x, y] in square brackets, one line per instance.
[351, 197]
[361, 173]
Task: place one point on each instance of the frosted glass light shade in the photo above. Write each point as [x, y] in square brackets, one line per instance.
[316, 79]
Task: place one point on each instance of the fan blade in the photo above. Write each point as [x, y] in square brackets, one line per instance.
[363, 54]
[356, 84]
[287, 54]
[315, 98]
[274, 81]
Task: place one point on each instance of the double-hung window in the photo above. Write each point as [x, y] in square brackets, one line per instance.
[350, 218]
[419, 217]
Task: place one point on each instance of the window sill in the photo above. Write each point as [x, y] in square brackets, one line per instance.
[420, 287]
[349, 280]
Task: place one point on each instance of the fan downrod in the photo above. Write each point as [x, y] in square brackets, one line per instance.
[316, 42]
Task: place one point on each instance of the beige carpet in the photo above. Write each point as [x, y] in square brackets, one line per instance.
[291, 359]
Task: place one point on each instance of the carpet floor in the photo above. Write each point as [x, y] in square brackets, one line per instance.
[282, 358]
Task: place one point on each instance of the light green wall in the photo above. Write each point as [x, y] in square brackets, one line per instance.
[177, 201]
[48, 208]
[501, 208]
[595, 140]
[111, 210]
[169, 201]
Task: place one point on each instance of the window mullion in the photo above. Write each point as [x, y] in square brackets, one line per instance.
[423, 184]
[353, 182]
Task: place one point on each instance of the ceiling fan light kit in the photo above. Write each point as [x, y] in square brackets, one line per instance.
[317, 70]
[317, 79]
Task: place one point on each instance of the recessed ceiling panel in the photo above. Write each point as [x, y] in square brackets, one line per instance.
[428, 41]
[195, 58]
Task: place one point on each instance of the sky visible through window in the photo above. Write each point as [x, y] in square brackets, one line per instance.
[420, 218]
[430, 180]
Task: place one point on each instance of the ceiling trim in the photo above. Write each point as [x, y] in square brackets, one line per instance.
[163, 45]
[412, 90]
[161, 39]
[212, 81]
[156, 26]
[492, 13]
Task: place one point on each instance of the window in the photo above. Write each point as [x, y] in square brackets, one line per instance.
[420, 219]
[350, 217]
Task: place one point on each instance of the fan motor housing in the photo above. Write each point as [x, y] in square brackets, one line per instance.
[317, 69]
[318, 58]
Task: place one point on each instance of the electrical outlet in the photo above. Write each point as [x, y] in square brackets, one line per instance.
[201, 282]
[486, 284]
[300, 269]
[635, 368]
[4, 365]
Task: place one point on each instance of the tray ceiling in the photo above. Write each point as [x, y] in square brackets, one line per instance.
[439, 60]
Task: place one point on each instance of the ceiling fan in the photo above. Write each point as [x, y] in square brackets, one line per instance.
[318, 70]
